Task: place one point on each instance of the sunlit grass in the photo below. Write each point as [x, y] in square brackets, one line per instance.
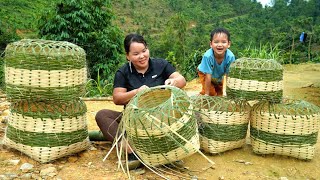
[264, 51]
[98, 88]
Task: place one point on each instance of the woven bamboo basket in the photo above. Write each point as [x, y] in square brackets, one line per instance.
[47, 130]
[289, 128]
[160, 125]
[223, 123]
[43, 69]
[255, 79]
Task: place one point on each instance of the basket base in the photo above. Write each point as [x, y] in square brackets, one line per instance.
[47, 154]
[305, 152]
[172, 156]
[214, 147]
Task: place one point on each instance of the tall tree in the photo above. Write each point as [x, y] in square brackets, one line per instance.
[174, 39]
[87, 23]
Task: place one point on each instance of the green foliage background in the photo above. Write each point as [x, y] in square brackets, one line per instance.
[89, 25]
[177, 30]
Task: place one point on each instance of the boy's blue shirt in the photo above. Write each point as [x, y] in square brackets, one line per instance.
[209, 65]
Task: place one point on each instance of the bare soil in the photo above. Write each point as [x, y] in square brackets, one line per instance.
[300, 82]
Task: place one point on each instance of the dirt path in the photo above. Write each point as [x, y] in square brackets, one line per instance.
[300, 82]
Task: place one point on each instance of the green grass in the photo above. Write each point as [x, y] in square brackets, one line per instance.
[265, 51]
[22, 14]
[98, 88]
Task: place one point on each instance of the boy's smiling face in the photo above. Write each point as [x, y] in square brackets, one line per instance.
[220, 43]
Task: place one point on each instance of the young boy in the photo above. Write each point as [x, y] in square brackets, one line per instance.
[215, 63]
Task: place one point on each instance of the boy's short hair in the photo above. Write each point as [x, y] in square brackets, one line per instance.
[218, 31]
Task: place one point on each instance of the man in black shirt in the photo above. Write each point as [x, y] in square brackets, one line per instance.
[139, 73]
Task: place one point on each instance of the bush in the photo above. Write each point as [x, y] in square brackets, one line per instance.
[189, 69]
[6, 36]
[89, 25]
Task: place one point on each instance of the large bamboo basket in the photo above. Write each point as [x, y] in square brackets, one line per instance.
[47, 130]
[255, 79]
[160, 125]
[223, 123]
[289, 128]
[43, 69]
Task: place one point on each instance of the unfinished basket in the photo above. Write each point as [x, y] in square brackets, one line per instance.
[255, 79]
[289, 128]
[160, 125]
[47, 130]
[43, 69]
[223, 123]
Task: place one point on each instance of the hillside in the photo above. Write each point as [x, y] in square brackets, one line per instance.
[22, 14]
[250, 24]
[130, 15]
[141, 16]
[177, 30]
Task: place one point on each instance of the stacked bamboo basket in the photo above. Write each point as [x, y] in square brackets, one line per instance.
[255, 79]
[160, 125]
[44, 82]
[288, 128]
[277, 125]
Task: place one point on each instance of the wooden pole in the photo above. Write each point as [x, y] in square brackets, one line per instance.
[309, 48]
[292, 49]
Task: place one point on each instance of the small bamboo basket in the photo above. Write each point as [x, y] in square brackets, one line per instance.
[160, 125]
[289, 128]
[255, 79]
[223, 123]
[38, 69]
[47, 130]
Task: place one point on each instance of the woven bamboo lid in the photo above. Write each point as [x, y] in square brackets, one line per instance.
[288, 107]
[219, 104]
[42, 69]
[44, 54]
[255, 79]
[256, 63]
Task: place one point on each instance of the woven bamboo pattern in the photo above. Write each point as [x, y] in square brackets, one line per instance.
[46, 131]
[160, 125]
[44, 69]
[288, 128]
[255, 79]
[223, 123]
[44, 82]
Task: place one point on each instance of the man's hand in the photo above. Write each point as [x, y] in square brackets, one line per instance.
[170, 82]
[141, 88]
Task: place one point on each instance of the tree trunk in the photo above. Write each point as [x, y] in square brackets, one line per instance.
[309, 48]
[292, 49]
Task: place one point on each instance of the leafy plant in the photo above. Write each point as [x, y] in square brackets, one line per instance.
[89, 25]
[98, 87]
[7, 35]
[189, 70]
[172, 58]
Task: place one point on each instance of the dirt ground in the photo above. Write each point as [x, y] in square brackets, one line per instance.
[300, 82]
